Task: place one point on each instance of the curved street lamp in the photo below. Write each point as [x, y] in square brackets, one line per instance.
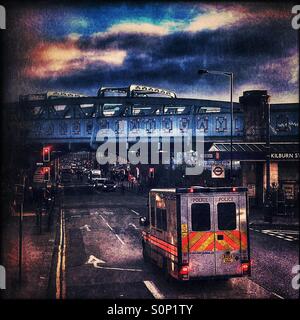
[230, 75]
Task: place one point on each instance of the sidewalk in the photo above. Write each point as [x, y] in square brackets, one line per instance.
[37, 258]
[256, 218]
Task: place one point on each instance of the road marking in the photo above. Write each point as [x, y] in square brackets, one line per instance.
[280, 234]
[135, 212]
[153, 289]
[120, 269]
[61, 260]
[109, 227]
[277, 295]
[94, 261]
[86, 227]
[120, 239]
[108, 213]
[290, 237]
[64, 260]
[133, 225]
[290, 231]
[58, 265]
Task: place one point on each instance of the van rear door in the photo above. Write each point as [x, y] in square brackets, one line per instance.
[200, 236]
[228, 237]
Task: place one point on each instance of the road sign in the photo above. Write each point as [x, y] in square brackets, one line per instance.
[218, 171]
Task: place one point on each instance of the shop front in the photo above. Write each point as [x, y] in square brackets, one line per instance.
[284, 172]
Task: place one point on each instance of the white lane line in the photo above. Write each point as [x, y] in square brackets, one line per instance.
[153, 289]
[120, 239]
[102, 217]
[290, 231]
[109, 227]
[120, 269]
[133, 225]
[278, 296]
[135, 212]
[276, 234]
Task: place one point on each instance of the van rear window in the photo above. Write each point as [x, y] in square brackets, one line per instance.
[201, 217]
[161, 219]
[152, 216]
[227, 216]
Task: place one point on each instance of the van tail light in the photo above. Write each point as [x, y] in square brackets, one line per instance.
[190, 190]
[185, 258]
[184, 272]
[245, 268]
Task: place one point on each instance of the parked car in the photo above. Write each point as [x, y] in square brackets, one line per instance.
[109, 185]
[94, 176]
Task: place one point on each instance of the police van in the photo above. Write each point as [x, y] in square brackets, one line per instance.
[198, 232]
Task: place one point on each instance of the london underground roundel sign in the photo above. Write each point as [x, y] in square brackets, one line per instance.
[217, 171]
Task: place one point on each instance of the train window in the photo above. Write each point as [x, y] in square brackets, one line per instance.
[227, 216]
[111, 109]
[201, 217]
[161, 219]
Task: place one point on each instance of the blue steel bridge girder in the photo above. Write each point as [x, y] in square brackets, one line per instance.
[77, 120]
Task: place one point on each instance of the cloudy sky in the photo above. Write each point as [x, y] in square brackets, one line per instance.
[81, 48]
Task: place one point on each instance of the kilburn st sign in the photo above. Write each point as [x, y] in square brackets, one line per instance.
[285, 155]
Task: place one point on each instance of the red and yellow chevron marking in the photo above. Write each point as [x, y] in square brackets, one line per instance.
[202, 241]
[168, 247]
[207, 241]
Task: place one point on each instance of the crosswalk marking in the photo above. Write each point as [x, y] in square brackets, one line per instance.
[287, 235]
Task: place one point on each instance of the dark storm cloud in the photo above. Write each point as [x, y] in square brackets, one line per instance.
[260, 48]
[175, 58]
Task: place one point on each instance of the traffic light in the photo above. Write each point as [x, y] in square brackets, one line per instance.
[46, 173]
[151, 173]
[46, 154]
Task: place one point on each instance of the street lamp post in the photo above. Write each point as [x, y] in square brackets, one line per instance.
[230, 75]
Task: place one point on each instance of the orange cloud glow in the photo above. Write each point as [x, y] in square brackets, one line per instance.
[229, 16]
[55, 59]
